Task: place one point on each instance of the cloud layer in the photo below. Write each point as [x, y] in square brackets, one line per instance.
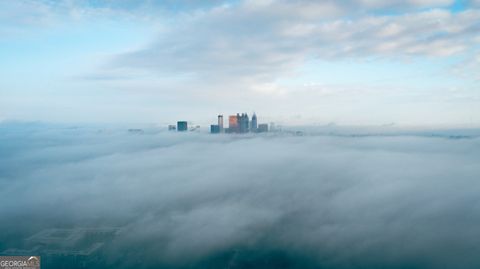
[196, 200]
[265, 39]
[356, 62]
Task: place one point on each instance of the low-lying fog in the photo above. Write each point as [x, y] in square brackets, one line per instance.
[195, 200]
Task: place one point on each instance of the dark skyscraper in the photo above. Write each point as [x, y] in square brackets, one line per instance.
[253, 125]
[182, 126]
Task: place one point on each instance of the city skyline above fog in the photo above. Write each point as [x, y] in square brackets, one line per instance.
[355, 62]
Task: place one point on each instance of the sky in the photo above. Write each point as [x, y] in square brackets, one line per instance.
[195, 200]
[353, 62]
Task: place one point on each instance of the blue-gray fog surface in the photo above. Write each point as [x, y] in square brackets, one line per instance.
[97, 197]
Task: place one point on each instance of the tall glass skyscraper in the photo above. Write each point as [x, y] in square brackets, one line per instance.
[233, 123]
[220, 123]
[243, 122]
[253, 124]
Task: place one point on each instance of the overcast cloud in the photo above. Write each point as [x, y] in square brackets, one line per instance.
[195, 200]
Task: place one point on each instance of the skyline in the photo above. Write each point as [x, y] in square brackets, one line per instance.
[358, 62]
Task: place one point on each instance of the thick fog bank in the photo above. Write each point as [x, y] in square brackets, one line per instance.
[193, 200]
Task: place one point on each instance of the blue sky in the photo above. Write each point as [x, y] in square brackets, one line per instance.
[360, 62]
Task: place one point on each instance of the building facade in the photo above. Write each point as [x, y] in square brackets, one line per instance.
[214, 129]
[182, 126]
[220, 123]
[233, 123]
[243, 123]
[262, 128]
[253, 124]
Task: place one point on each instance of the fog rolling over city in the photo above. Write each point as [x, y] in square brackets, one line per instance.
[93, 197]
[240, 134]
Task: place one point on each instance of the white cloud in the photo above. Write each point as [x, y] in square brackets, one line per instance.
[404, 3]
[190, 200]
[272, 39]
[266, 39]
[205, 57]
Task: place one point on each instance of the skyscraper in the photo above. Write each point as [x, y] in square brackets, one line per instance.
[220, 123]
[262, 128]
[182, 126]
[214, 129]
[243, 123]
[253, 125]
[233, 123]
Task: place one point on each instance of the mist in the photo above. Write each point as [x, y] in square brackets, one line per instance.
[195, 200]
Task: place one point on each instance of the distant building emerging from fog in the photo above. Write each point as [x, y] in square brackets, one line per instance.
[253, 123]
[135, 131]
[262, 128]
[220, 123]
[195, 128]
[233, 124]
[272, 127]
[182, 126]
[214, 129]
[239, 123]
[243, 123]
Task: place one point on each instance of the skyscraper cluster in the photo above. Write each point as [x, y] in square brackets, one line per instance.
[239, 123]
